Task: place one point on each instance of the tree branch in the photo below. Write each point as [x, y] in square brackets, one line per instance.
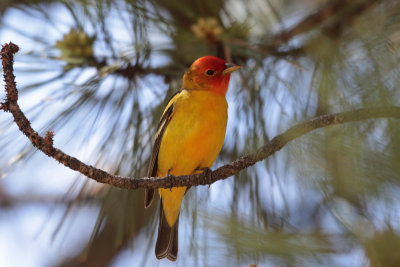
[330, 17]
[276, 144]
[347, 9]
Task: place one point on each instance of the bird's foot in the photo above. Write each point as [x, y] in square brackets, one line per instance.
[208, 175]
[170, 178]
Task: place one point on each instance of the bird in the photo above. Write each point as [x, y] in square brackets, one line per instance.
[189, 137]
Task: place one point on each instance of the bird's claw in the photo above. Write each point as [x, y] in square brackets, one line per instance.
[170, 178]
[208, 176]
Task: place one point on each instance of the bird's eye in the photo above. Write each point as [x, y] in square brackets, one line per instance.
[210, 72]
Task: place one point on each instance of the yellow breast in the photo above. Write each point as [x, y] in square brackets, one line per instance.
[195, 133]
[192, 141]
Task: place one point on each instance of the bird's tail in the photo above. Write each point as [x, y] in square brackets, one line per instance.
[167, 239]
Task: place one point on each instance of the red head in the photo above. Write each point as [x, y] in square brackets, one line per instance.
[209, 73]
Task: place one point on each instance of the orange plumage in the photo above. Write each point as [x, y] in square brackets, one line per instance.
[189, 137]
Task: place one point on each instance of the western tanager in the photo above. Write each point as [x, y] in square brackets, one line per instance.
[189, 137]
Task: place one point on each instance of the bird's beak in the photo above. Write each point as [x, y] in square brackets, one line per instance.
[230, 68]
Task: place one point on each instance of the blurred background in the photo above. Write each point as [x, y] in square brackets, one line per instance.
[98, 74]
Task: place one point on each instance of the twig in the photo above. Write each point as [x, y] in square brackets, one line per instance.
[326, 13]
[330, 9]
[276, 144]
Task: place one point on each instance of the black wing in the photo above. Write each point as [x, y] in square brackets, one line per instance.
[153, 166]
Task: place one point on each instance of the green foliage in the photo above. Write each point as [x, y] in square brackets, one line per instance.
[98, 74]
